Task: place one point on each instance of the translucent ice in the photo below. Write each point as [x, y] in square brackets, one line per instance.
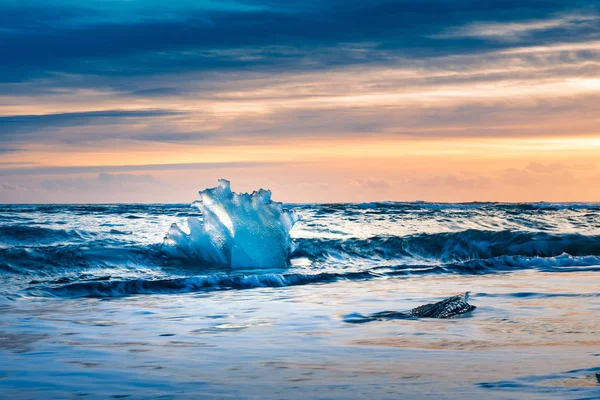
[238, 230]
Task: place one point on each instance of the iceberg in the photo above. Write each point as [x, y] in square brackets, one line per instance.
[238, 230]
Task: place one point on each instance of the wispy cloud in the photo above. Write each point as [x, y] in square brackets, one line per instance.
[372, 183]
[23, 123]
[123, 181]
[511, 31]
[105, 171]
[4, 187]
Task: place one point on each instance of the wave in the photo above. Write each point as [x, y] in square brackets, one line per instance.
[184, 285]
[474, 251]
[118, 288]
[61, 259]
[114, 250]
[421, 205]
[102, 209]
[103, 287]
[19, 234]
[452, 247]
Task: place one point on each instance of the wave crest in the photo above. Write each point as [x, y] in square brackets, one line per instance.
[23, 234]
[234, 281]
[451, 247]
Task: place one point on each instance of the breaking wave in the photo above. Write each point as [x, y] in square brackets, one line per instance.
[471, 249]
[451, 247]
[104, 287]
[23, 234]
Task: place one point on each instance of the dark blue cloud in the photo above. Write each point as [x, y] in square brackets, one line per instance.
[159, 92]
[20, 123]
[4, 150]
[21, 129]
[87, 39]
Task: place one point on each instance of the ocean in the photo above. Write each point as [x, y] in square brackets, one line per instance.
[96, 303]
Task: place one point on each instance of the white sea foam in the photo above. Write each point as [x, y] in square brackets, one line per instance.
[238, 230]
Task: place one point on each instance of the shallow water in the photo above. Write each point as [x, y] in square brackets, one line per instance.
[91, 305]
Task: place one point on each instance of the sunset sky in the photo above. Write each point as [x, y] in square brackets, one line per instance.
[320, 101]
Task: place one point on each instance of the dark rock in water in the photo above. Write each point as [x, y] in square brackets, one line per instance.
[447, 308]
[598, 377]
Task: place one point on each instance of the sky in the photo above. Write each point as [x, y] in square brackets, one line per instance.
[108, 101]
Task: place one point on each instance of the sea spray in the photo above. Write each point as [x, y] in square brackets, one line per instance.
[239, 230]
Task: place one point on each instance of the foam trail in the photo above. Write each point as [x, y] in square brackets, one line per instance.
[238, 230]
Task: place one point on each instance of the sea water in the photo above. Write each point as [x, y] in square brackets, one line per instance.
[101, 301]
